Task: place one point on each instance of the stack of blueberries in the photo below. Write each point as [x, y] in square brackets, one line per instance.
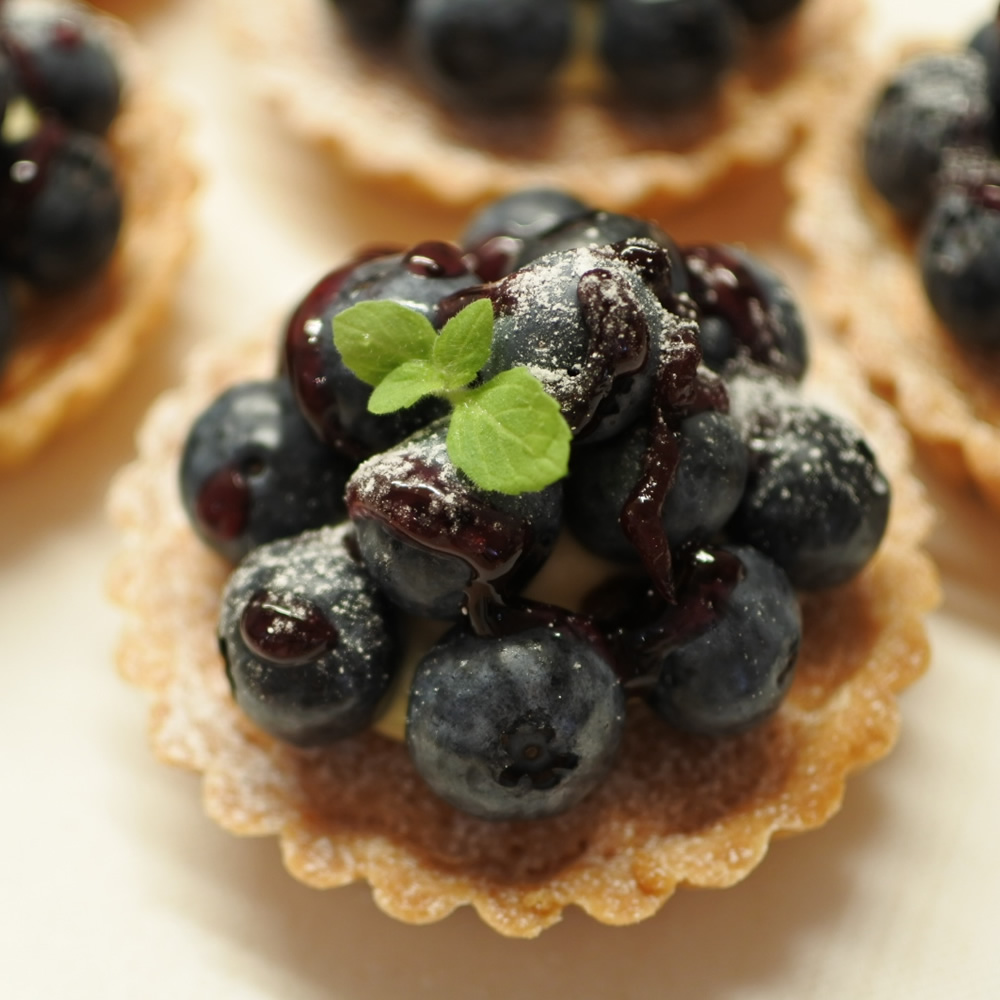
[668, 53]
[710, 487]
[60, 204]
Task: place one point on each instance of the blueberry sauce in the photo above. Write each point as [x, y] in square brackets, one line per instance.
[286, 630]
[436, 259]
[223, 503]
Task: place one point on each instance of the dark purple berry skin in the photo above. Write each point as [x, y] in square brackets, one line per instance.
[481, 52]
[433, 541]
[372, 22]
[668, 53]
[816, 501]
[332, 398]
[64, 66]
[308, 641]
[934, 103]
[60, 208]
[765, 12]
[734, 673]
[959, 256]
[706, 489]
[252, 471]
[519, 727]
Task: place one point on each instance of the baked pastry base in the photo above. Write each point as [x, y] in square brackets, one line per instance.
[677, 809]
[73, 349]
[865, 278]
[377, 119]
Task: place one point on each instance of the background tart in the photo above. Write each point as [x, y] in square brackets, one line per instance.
[677, 810]
[376, 118]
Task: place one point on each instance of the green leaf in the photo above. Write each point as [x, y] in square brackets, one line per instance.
[404, 386]
[375, 337]
[510, 435]
[463, 345]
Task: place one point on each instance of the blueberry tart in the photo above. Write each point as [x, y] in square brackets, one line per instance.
[622, 100]
[94, 205]
[897, 201]
[556, 566]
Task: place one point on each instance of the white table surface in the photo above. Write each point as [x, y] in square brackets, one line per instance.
[114, 885]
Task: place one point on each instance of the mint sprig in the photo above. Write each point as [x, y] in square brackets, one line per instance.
[508, 435]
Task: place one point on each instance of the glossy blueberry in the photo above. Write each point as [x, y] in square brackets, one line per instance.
[707, 486]
[332, 398]
[60, 208]
[670, 53]
[518, 727]
[489, 53]
[959, 255]
[588, 324]
[372, 22]
[64, 65]
[746, 311]
[308, 640]
[762, 12]
[253, 471]
[816, 500]
[735, 672]
[496, 234]
[428, 535]
[934, 103]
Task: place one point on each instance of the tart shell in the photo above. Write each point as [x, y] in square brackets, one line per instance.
[677, 810]
[73, 349]
[375, 117]
[865, 278]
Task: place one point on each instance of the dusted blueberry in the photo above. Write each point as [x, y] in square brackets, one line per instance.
[372, 21]
[64, 64]
[816, 500]
[960, 260]
[332, 398]
[518, 727]
[60, 208]
[934, 103]
[986, 41]
[428, 535]
[309, 646]
[735, 672]
[253, 471]
[765, 11]
[485, 52]
[707, 486]
[671, 53]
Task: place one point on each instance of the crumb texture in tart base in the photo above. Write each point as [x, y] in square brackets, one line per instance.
[866, 280]
[380, 123]
[678, 810]
[73, 349]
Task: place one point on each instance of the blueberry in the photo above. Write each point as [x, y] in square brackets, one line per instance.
[746, 312]
[589, 325]
[707, 486]
[518, 727]
[959, 254]
[934, 103]
[60, 208]
[986, 42]
[64, 65]
[372, 22]
[429, 536]
[763, 12]
[489, 53]
[816, 501]
[332, 398]
[253, 471]
[669, 53]
[308, 640]
[734, 672]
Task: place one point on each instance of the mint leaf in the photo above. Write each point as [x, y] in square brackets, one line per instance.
[375, 337]
[463, 345]
[404, 386]
[509, 435]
